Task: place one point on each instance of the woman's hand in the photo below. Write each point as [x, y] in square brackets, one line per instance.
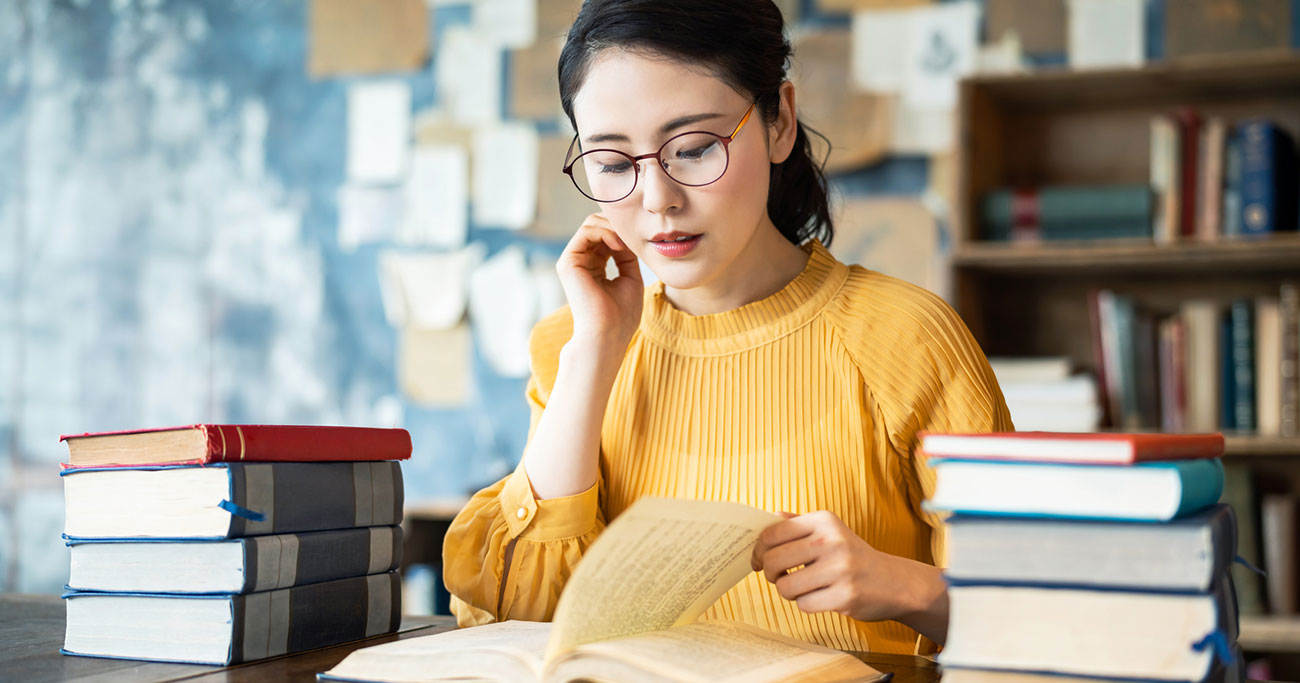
[819, 563]
[605, 311]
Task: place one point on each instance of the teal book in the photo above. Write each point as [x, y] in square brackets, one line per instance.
[1068, 213]
[1154, 491]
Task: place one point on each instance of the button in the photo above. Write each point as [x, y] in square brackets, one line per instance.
[521, 513]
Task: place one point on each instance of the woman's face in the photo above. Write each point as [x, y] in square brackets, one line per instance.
[634, 103]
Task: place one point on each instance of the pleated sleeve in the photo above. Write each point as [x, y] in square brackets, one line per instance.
[549, 535]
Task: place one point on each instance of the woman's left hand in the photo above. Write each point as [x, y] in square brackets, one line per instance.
[834, 570]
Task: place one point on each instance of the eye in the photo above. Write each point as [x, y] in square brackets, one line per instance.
[696, 152]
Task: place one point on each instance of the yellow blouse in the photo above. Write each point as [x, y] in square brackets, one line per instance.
[810, 399]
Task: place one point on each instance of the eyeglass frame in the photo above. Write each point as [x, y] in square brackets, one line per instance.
[636, 160]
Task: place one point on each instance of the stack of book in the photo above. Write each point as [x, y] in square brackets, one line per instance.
[1042, 394]
[1086, 555]
[220, 544]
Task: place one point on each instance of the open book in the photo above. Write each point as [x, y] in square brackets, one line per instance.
[628, 613]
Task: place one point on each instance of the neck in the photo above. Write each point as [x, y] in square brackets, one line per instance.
[767, 264]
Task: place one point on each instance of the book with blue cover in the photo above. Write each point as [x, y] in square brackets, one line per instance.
[229, 629]
[241, 565]
[230, 500]
[1152, 491]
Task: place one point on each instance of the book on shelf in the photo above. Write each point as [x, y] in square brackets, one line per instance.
[1165, 179]
[1210, 169]
[242, 565]
[1091, 448]
[1185, 555]
[1068, 213]
[1289, 376]
[1241, 316]
[1239, 493]
[1091, 632]
[1268, 366]
[1279, 515]
[229, 629]
[1189, 124]
[1151, 491]
[213, 443]
[1042, 395]
[229, 500]
[1268, 178]
[680, 556]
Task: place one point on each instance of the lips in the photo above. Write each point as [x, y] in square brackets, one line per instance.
[672, 237]
[675, 244]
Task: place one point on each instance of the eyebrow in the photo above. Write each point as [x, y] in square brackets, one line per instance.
[666, 128]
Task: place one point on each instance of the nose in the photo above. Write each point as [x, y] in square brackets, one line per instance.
[659, 193]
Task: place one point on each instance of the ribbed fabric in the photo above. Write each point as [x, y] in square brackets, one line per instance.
[810, 399]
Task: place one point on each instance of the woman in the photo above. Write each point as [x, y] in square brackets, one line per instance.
[758, 370]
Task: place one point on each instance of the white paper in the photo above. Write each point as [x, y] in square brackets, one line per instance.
[468, 71]
[437, 197]
[941, 47]
[1105, 33]
[368, 214]
[919, 130]
[508, 23]
[879, 45]
[1002, 57]
[379, 127]
[546, 284]
[505, 176]
[427, 290]
[503, 309]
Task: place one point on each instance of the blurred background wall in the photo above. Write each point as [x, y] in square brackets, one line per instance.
[236, 212]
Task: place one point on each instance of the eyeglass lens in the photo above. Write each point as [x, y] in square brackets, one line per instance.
[691, 159]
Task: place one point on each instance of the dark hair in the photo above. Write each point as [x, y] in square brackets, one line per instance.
[743, 44]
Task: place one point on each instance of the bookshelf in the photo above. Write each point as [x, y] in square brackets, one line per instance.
[1062, 127]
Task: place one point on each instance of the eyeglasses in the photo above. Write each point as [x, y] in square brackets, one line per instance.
[694, 159]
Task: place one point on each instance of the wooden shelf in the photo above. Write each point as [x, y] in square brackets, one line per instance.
[1266, 446]
[1270, 634]
[1280, 253]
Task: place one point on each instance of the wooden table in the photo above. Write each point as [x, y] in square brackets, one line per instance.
[31, 633]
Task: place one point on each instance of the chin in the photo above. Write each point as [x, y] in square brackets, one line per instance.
[681, 275]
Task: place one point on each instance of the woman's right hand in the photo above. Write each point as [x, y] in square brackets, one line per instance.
[605, 312]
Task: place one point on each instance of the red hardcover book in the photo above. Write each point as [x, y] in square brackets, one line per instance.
[1069, 447]
[206, 443]
[1189, 125]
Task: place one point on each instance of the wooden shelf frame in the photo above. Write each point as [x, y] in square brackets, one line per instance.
[1270, 633]
[1279, 253]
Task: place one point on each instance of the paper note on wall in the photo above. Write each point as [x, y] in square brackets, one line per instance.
[858, 124]
[437, 197]
[427, 290]
[505, 176]
[368, 214]
[468, 72]
[435, 367]
[1106, 33]
[534, 88]
[503, 309]
[941, 48]
[894, 236]
[349, 37]
[508, 23]
[379, 130]
[561, 209]
[879, 47]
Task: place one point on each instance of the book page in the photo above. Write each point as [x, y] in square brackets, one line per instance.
[714, 652]
[509, 650]
[660, 563]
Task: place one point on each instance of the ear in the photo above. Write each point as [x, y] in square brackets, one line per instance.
[783, 130]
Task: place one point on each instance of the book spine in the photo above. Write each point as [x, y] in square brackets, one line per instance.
[274, 623]
[1211, 197]
[287, 560]
[1278, 521]
[1201, 319]
[1127, 349]
[1227, 399]
[1267, 179]
[1189, 124]
[1268, 366]
[1232, 185]
[1164, 156]
[292, 497]
[1243, 364]
[1289, 373]
[293, 443]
